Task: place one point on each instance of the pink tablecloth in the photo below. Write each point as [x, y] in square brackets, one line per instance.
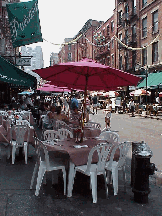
[77, 156]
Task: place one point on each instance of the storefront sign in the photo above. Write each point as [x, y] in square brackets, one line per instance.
[23, 61]
[24, 23]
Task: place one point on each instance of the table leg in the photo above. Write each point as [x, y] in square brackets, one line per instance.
[70, 179]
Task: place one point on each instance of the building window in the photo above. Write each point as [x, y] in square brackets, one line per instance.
[69, 56]
[103, 32]
[120, 62]
[127, 61]
[112, 43]
[155, 22]
[69, 46]
[144, 3]
[134, 33]
[108, 60]
[144, 27]
[112, 60]
[112, 26]
[108, 30]
[126, 12]
[154, 52]
[144, 57]
[108, 45]
[120, 38]
[133, 59]
[120, 17]
[126, 37]
[134, 7]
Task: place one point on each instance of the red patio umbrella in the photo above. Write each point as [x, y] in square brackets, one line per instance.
[50, 88]
[87, 75]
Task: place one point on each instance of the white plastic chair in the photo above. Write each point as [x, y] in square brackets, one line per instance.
[93, 124]
[61, 124]
[38, 159]
[94, 169]
[22, 122]
[18, 113]
[51, 135]
[46, 165]
[64, 133]
[109, 136]
[115, 166]
[20, 131]
[26, 115]
[2, 115]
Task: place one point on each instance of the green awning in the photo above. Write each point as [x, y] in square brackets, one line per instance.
[11, 74]
[153, 81]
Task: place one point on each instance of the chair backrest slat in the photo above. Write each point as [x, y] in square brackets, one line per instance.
[42, 152]
[103, 152]
[20, 131]
[109, 136]
[50, 135]
[93, 124]
[64, 133]
[22, 122]
[124, 148]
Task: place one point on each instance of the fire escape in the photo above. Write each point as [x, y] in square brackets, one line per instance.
[102, 50]
[127, 21]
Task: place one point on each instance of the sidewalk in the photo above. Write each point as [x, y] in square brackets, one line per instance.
[17, 199]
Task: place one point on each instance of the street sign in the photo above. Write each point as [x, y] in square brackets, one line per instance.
[23, 61]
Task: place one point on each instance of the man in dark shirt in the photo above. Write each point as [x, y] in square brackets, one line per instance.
[74, 102]
[95, 101]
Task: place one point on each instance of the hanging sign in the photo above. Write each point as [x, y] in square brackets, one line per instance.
[24, 23]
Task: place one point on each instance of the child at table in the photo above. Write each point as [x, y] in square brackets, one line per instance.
[76, 117]
[108, 113]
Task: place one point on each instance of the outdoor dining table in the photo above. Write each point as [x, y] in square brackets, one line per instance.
[78, 153]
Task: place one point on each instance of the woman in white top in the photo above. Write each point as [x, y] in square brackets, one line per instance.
[50, 115]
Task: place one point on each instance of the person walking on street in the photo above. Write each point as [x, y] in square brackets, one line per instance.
[124, 105]
[108, 114]
[131, 107]
[95, 101]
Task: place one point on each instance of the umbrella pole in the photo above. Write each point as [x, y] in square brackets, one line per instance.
[84, 108]
[84, 104]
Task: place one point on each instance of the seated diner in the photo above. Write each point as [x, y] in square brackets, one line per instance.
[50, 115]
[60, 116]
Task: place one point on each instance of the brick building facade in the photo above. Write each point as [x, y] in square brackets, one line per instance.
[118, 42]
[6, 48]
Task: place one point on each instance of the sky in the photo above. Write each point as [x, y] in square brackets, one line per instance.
[64, 19]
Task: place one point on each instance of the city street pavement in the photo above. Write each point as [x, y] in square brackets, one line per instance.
[137, 129]
[17, 199]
